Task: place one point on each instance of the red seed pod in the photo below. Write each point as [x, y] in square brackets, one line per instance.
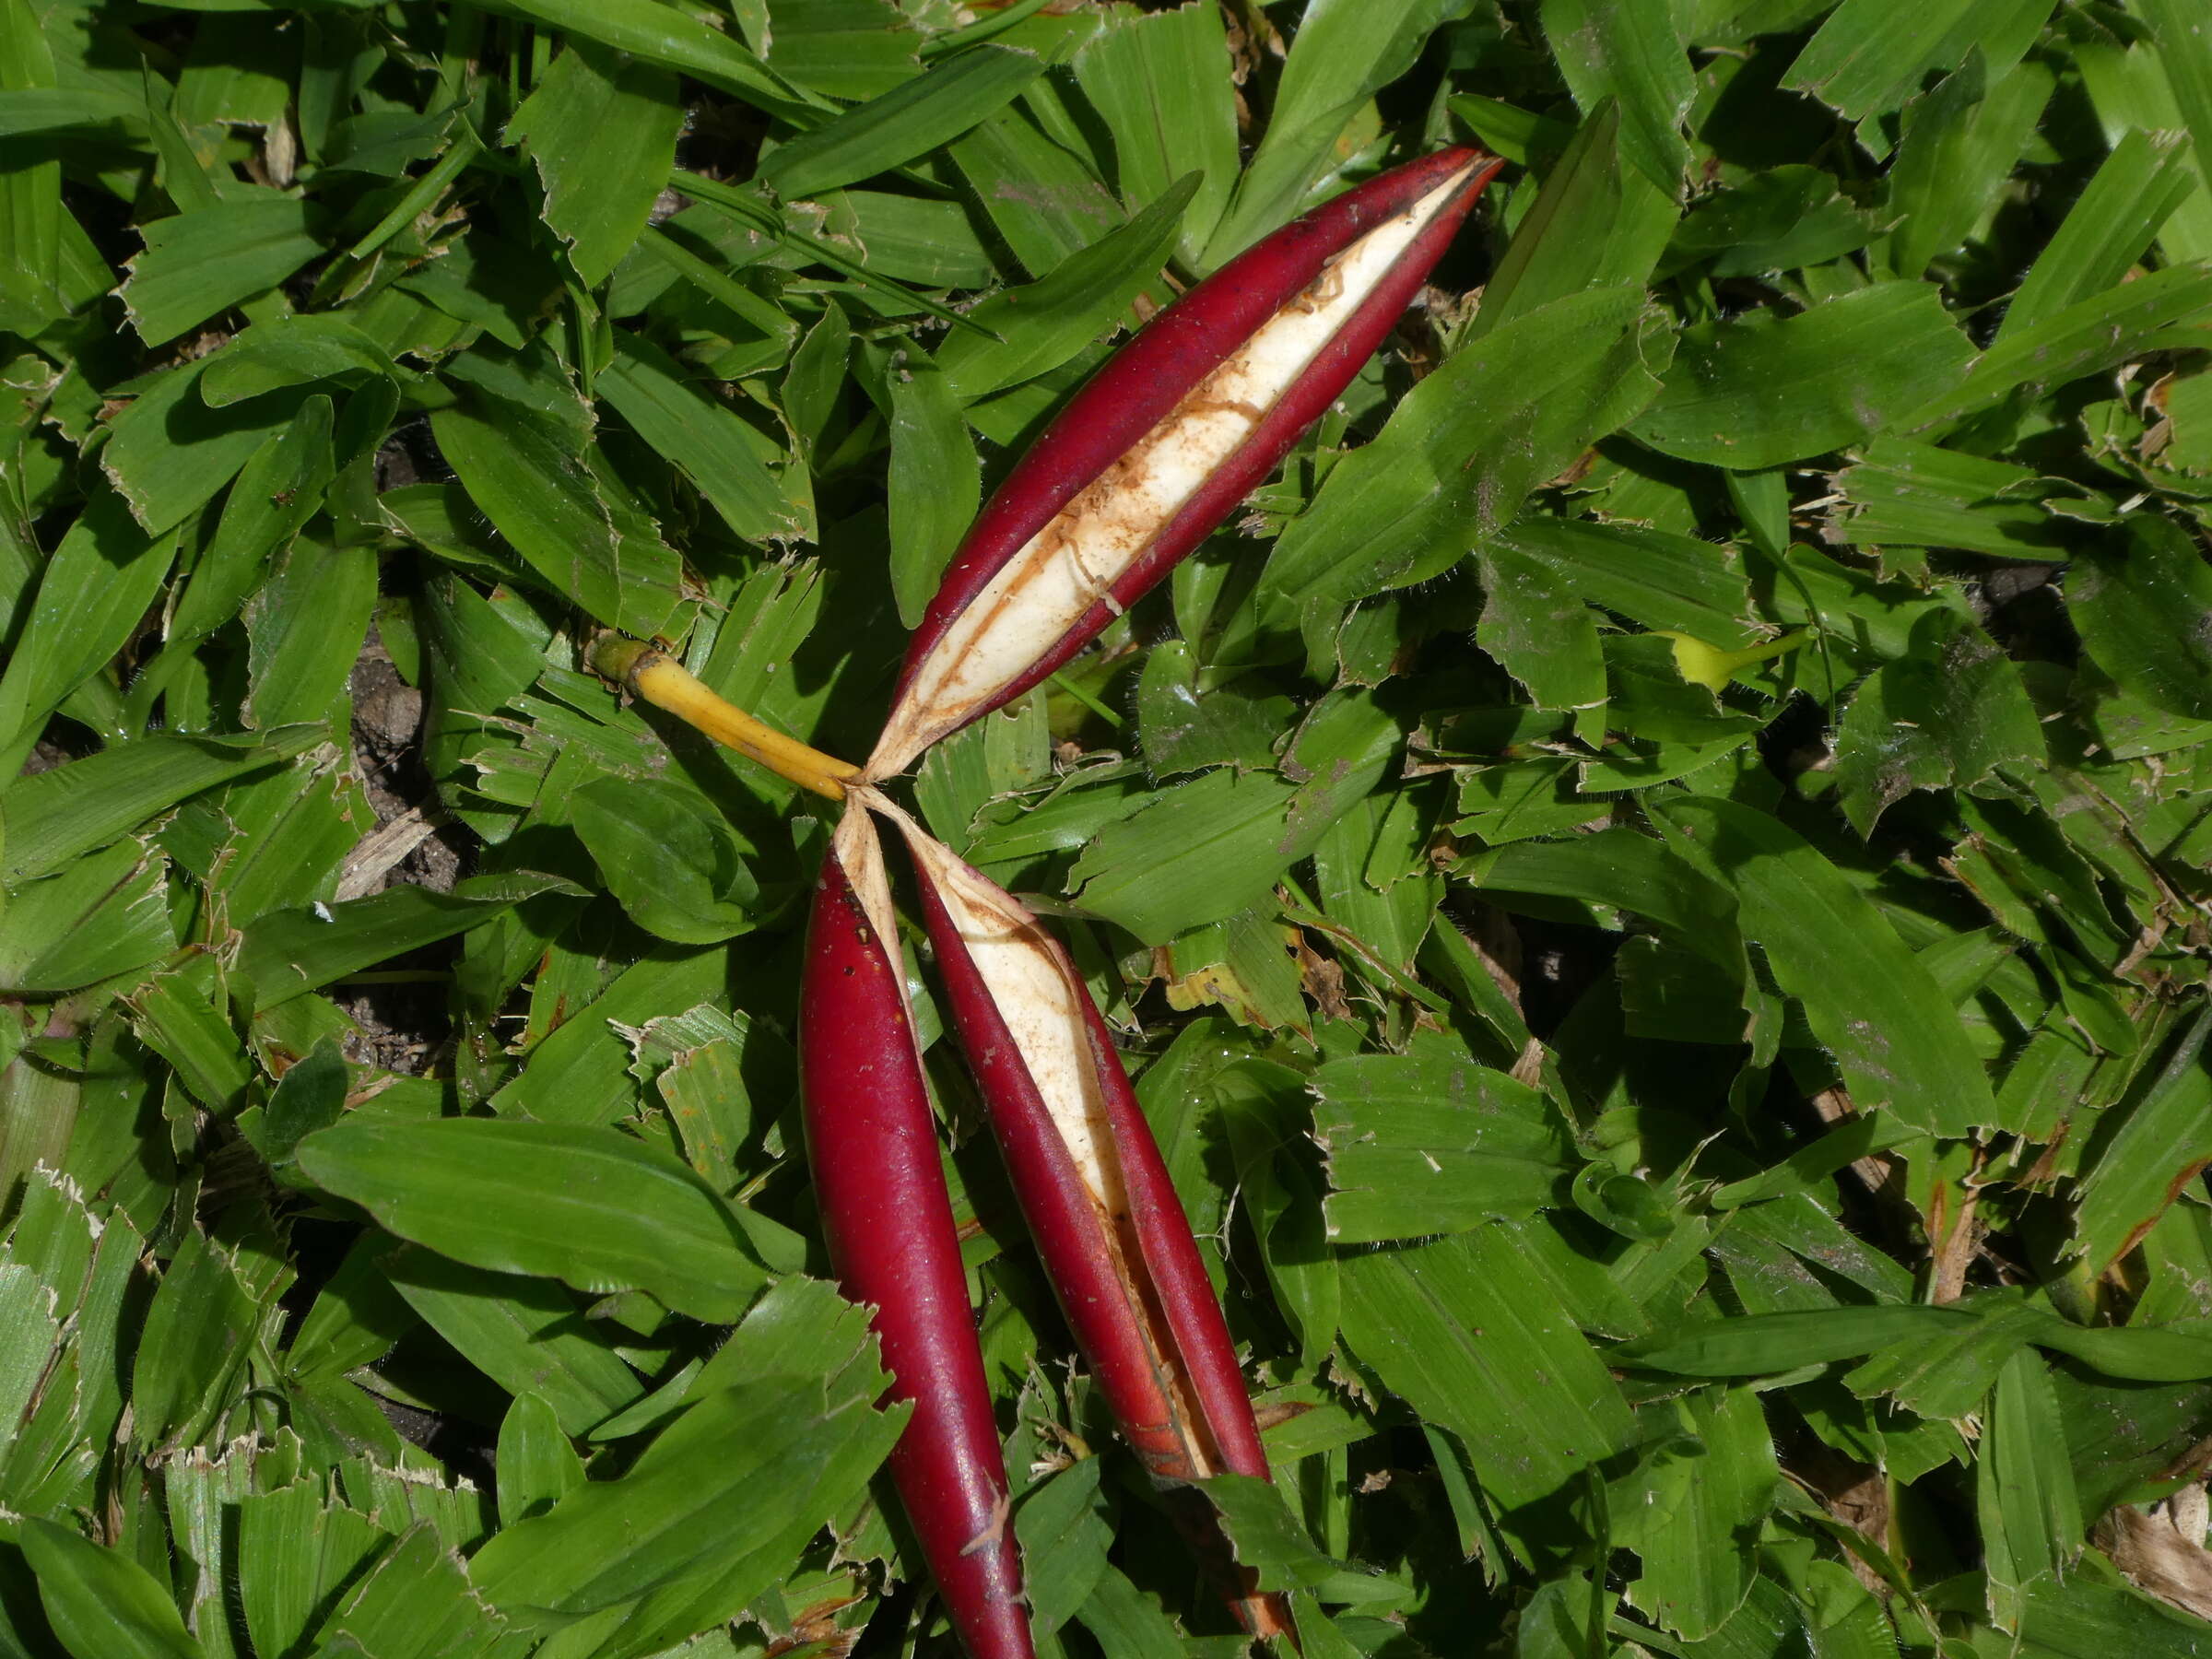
[1164, 440]
[872, 1147]
[1092, 1182]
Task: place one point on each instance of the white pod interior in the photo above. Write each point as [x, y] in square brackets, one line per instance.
[1071, 564]
[1027, 979]
[859, 852]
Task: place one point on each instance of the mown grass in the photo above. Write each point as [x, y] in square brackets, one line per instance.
[1654, 882]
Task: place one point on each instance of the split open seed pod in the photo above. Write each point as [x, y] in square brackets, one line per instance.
[872, 1149]
[1164, 441]
[1091, 1183]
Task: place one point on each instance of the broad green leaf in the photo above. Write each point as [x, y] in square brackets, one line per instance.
[176, 1016]
[1187, 860]
[89, 112]
[1669, 584]
[297, 1549]
[306, 625]
[30, 1319]
[1692, 1515]
[812, 384]
[1062, 1524]
[581, 1073]
[1869, 1000]
[355, 1317]
[1183, 732]
[1943, 716]
[1043, 325]
[674, 40]
[709, 1098]
[526, 1334]
[1767, 389]
[1126, 1623]
[763, 336]
[1157, 80]
[416, 1599]
[1629, 53]
[290, 952]
[1343, 53]
[2078, 1617]
[90, 597]
[1540, 632]
[2114, 219]
[1918, 1344]
[935, 481]
[1773, 1343]
[2133, 1353]
[1371, 873]
[1614, 867]
[98, 917]
[1463, 451]
[768, 625]
[1216, 845]
[1046, 202]
[1774, 220]
[2186, 57]
[911, 239]
[595, 1208]
[1266, 1535]
[2129, 89]
[237, 71]
[601, 129]
[2162, 309]
[281, 487]
[1961, 140]
[1427, 1143]
[293, 833]
[277, 492]
[2160, 1141]
[169, 452]
[690, 1505]
[30, 189]
[2024, 1493]
[1475, 1345]
[844, 48]
[537, 1467]
[1912, 494]
[1868, 58]
[102, 1603]
[665, 853]
[198, 1329]
[197, 264]
[891, 130]
[2141, 614]
[595, 548]
[1597, 222]
[699, 435]
[292, 351]
[61, 813]
[1944, 1372]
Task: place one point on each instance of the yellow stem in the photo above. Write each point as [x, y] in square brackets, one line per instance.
[666, 685]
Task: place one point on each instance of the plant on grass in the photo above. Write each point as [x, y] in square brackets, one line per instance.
[1651, 884]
